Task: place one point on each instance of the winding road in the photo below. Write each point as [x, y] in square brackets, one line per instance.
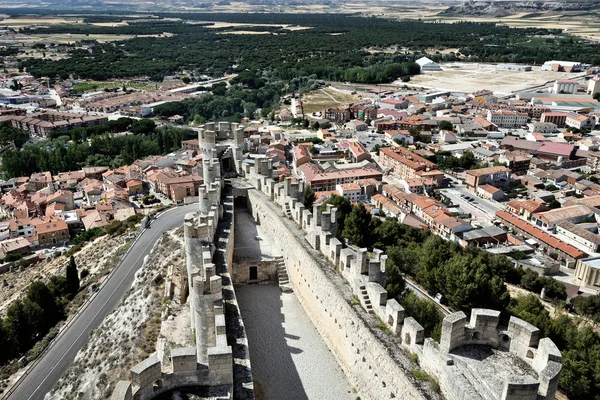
[41, 377]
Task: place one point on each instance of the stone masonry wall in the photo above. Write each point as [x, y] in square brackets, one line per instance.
[369, 365]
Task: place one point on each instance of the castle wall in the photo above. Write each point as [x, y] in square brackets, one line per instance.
[365, 360]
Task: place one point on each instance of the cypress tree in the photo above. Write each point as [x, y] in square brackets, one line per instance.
[72, 277]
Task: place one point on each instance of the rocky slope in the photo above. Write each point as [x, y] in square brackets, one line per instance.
[502, 8]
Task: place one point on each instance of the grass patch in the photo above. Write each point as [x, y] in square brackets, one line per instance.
[425, 377]
[384, 327]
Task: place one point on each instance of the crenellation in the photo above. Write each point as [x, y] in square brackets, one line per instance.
[450, 361]
[475, 358]
[210, 361]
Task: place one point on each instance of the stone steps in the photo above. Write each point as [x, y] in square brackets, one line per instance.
[287, 210]
[365, 301]
[282, 276]
[476, 383]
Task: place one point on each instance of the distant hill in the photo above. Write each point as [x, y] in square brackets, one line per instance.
[507, 7]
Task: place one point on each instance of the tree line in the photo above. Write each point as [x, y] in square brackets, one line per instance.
[81, 148]
[335, 47]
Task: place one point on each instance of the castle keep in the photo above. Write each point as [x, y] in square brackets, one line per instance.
[342, 290]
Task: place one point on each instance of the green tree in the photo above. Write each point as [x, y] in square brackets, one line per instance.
[445, 126]
[309, 198]
[72, 277]
[19, 328]
[143, 126]
[356, 226]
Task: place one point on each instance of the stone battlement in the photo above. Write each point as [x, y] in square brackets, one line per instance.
[210, 362]
[475, 359]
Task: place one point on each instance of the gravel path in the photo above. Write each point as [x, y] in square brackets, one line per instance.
[289, 358]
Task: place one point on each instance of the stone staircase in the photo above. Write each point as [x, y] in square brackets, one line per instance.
[287, 210]
[282, 275]
[364, 298]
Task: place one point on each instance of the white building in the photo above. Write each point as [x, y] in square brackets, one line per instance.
[569, 86]
[542, 127]
[507, 119]
[351, 191]
[580, 121]
[594, 86]
[428, 65]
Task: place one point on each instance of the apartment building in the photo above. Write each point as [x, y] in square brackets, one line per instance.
[557, 118]
[408, 165]
[507, 118]
[320, 180]
[495, 176]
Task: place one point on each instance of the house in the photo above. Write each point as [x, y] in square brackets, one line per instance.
[176, 119]
[526, 208]
[507, 118]
[495, 176]
[574, 214]
[39, 181]
[542, 127]
[447, 137]
[337, 114]
[398, 136]
[135, 186]
[590, 240]
[449, 227]
[192, 144]
[490, 193]
[14, 246]
[357, 125]
[517, 163]
[95, 219]
[94, 172]
[358, 152]
[179, 191]
[301, 155]
[51, 231]
[578, 121]
[319, 179]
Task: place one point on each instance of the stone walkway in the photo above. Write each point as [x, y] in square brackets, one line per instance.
[289, 358]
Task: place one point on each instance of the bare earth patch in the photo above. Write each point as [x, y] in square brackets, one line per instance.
[322, 99]
[469, 77]
[97, 257]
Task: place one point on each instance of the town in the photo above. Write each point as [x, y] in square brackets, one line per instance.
[510, 175]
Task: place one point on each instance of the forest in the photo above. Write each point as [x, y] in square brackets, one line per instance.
[472, 278]
[334, 47]
[86, 147]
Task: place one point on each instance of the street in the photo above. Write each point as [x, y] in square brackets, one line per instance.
[482, 210]
[52, 364]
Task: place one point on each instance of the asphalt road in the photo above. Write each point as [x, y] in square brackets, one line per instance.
[59, 356]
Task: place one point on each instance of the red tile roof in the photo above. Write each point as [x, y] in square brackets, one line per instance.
[540, 235]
